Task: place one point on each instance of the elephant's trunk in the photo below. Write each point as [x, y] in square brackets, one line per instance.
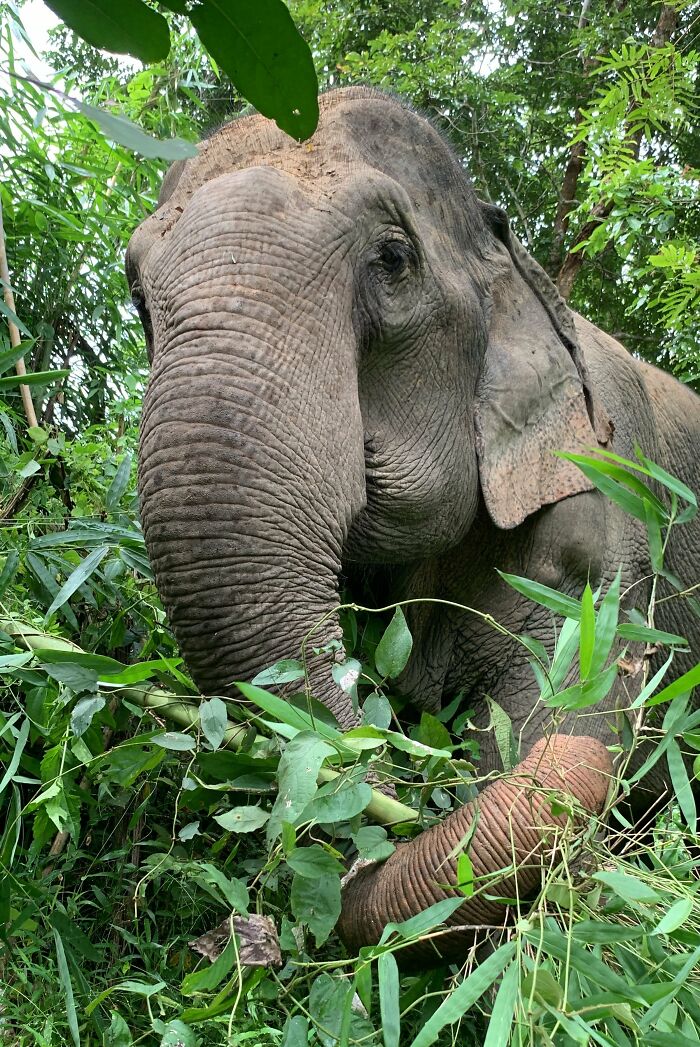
[251, 459]
[515, 825]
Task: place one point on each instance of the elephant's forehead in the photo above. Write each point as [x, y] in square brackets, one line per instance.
[357, 127]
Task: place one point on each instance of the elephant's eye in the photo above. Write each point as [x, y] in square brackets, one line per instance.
[394, 257]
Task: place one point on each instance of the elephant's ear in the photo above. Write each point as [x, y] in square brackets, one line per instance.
[534, 396]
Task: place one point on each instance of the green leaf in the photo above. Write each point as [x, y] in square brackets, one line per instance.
[189, 831]
[257, 44]
[643, 634]
[12, 316]
[630, 888]
[330, 1007]
[214, 721]
[681, 784]
[587, 633]
[465, 995]
[314, 861]
[498, 1032]
[9, 570]
[376, 710]
[177, 1034]
[682, 685]
[127, 27]
[233, 890]
[373, 843]
[81, 573]
[675, 917]
[67, 987]
[316, 902]
[543, 595]
[207, 978]
[10, 357]
[606, 625]
[242, 819]
[502, 728]
[288, 670]
[667, 480]
[117, 128]
[334, 803]
[389, 1009]
[83, 713]
[560, 946]
[394, 648]
[596, 932]
[11, 768]
[175, 740]
[118, 1034]
[72, 675]
[295, 1032]
[620, 485]
[581, 695]
[424, 921]
[119, 484]
[465, 875]
[33, 378]
[287, 713]
[297, 774]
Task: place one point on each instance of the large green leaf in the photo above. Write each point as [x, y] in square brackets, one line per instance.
[394, 648]
[122, 131]
[317, 902]
[257, 44]
[125, 26]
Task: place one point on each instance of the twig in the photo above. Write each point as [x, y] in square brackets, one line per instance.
[15, 339]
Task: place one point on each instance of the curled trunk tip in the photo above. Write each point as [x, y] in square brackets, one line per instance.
[515, 827]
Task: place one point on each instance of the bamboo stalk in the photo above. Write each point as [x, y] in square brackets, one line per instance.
[14, 330]
[383, 810]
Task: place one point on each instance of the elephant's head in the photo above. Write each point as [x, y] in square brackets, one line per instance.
[348, 350]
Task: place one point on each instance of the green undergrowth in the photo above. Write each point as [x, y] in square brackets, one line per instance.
[138, 819]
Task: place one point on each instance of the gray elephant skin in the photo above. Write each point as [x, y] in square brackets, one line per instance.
[357, 370]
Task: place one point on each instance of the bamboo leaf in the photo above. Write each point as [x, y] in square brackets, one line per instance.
[388, 975]
[465, 995]
[498, 1032]
[587, 633]
[543, 595]
[81, 573]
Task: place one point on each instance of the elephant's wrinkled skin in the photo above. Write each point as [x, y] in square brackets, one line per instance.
[354, 363]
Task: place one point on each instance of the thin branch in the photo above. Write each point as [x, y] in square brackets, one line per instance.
[15, 339]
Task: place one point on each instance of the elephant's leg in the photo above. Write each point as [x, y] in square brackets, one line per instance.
[515, 827]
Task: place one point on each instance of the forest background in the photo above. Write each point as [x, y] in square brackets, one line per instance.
[581, 122]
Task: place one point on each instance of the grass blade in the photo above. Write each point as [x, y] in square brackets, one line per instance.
[67, 986]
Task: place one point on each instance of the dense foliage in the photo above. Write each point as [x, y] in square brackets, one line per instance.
[124, 835]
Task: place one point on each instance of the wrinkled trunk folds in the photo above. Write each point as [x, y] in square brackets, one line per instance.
[515, 829]
[247, 491]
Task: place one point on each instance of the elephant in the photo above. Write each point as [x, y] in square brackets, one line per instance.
[358, 371]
